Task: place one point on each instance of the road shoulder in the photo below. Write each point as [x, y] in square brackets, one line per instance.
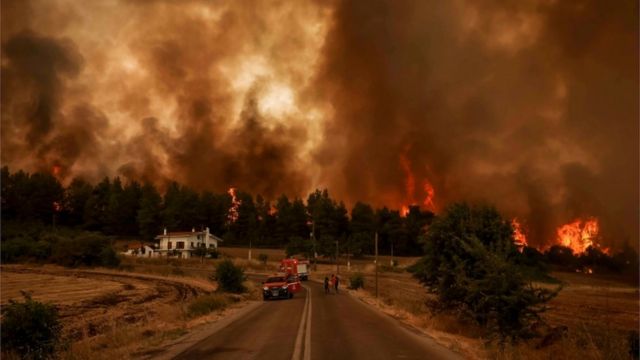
[175, 348]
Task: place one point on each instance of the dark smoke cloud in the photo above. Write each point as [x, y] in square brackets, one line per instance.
[531, 105]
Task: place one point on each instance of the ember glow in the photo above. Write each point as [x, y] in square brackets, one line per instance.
[393, 103]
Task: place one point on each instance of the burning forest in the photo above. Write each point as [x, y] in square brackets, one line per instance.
[531, 106]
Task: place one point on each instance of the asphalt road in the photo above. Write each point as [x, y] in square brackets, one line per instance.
[319, 326]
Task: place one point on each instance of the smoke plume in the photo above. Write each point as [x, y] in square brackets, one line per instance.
[530, 105]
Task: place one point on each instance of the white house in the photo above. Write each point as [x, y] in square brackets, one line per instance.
[184, 243]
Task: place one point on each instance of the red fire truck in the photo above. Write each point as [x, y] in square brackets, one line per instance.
[296, 267]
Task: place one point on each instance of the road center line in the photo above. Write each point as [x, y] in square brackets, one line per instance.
[297, 351]
[307, 334]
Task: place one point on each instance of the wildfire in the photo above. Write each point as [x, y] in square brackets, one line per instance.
[410, 188]
[520, 239]
[579, 235]
[431, 192]
[56, 170]
[232, 216]
[404, 211]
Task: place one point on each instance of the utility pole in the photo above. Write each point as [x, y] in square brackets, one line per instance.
[391, 240]
[348, 249]
[376, 262]
[313, 240]
[337, 259]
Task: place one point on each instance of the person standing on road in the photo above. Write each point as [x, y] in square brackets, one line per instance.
[332, 282]
[336, 281]
[326, 285]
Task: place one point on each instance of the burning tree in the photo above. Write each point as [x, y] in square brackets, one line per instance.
[471, 265]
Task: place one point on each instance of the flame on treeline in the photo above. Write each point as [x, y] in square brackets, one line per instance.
[579, 234]
[428, 200]
[273, 210]
[520, 239]
[56, 170]
[410, 188]
[232, 216]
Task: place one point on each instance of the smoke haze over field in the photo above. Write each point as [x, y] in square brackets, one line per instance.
[530, 105]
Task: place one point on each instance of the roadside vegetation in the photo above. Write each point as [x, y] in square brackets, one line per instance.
[230, 277]
[470, 265]
[30, 329]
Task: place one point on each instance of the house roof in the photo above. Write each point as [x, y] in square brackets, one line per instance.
[182, 233]
[186, 234]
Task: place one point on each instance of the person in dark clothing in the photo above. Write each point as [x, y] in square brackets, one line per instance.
[326, 285]
[336, 281]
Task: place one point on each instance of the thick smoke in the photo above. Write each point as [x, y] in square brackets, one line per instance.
[531, 105]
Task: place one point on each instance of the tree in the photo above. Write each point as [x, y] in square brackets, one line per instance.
[330, 221]
[180, 208]
[266, 223]
[229, 277]
[469, 264]
[95, 211]
[76, 196]
[362, 229]
[245, 228]
[148, 216]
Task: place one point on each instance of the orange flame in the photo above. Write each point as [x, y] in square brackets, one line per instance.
[232, 216]
[410, 188]
[428, 200]
[404, 211]
[578, 235]
[56, 170]
[519, 238]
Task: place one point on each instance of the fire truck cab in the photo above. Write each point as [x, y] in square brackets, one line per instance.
[299, 268]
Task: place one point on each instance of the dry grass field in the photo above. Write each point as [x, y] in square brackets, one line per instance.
[107, 313]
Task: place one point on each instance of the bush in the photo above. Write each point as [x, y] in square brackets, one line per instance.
[470, 264]
[229, 277]
[263, 258]
[356, 281]
[30, 328]
[205, 304]
[85, 250]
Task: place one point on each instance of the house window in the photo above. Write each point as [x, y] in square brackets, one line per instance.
[180, 245]
[169, 245]
[192, 244]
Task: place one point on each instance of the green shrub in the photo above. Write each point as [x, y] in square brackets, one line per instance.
[470, 264]
[229, 277]
[356, 281]
[205, 304]
[30, 328]
[86, 249]
[263, 258]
